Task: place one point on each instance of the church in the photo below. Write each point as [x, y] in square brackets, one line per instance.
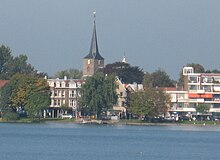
[93, 61]
[65, 92]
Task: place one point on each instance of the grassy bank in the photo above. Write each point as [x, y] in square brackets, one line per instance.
[41, 120]
[123, 122]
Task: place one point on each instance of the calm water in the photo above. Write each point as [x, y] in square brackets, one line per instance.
[92, 142]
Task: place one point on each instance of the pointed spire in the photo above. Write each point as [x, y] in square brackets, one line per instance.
[94, 51]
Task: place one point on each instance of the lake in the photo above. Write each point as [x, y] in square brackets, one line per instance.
[67, 141]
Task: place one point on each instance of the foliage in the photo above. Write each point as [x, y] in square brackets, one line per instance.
[10, 65]
[150, 102]
[98, 94]
[25, 92]
[202, 108]
[198, 68]
[212, 71]
[10, 115]
[159, 78]
[125, 71]
[5, 59]
[35, 103]
[6, 92]
[71, 73]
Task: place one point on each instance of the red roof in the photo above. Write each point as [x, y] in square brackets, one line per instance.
[3, 83]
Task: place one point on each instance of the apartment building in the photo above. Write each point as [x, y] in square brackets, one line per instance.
[199, 88]
[64, 95]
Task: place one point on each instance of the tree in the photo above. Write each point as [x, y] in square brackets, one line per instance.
[150, 103]
[198, 68]
[21, 94]
[37, 102]
[98, 94]
[159, 78]
[71, 73]
[5, 59]
[8, 111]
[10, 65]
[202, 108]
[212, 71]
[125, 71]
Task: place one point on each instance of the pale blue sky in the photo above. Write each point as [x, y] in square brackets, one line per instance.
[167, 34]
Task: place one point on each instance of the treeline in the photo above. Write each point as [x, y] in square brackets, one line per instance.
[27, 91]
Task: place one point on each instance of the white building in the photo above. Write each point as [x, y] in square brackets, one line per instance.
[199, 88]
[64, 95]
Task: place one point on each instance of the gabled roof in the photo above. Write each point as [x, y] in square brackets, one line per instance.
[94, 50]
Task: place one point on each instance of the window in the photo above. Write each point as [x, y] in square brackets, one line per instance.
[193, 87]
[72, 93]
[59, 102]
[63, 84]
[58, 84]
[71, 102]
[193, 79]
[63, 93]
[55, 93]
[89, 61]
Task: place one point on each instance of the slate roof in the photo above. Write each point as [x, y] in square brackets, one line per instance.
[94, 51]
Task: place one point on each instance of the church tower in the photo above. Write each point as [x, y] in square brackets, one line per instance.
[93, 61]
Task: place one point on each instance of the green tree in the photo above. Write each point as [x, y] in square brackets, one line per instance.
[5, 59]
[212, 71]
[125, 71]
[36, 102]
[8, 111]
[160, 78]
[21, 93]
[10, 65]
[98, 94]
[71, 73]
[150, 103]
[202, 108]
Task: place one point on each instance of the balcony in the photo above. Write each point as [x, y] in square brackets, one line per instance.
[199, 100]
[200, 91]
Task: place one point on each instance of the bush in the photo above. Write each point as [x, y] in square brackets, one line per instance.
[10, 116]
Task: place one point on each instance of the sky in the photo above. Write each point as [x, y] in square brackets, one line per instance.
[153, 34]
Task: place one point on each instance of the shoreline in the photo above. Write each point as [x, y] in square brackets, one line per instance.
[115, 122]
